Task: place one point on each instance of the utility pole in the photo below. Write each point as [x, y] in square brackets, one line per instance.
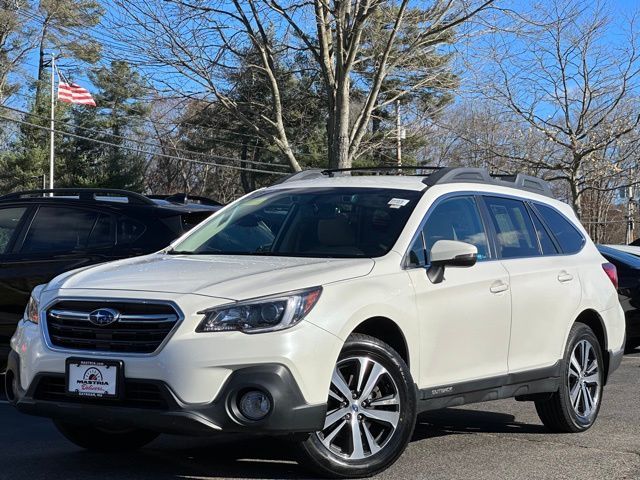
[400, 135]
[630, 200]
[53, 120]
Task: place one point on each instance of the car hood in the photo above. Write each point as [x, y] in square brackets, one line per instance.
[224, 276]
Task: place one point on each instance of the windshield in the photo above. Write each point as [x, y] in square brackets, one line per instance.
[317, 222]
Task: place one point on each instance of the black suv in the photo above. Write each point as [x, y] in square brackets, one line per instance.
[46, 232]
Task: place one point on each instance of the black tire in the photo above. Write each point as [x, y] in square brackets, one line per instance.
[102, 440]
[327, 460]
[558, 413]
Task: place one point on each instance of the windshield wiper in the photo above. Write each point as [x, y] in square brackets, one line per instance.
[184, 252]
[188, 252]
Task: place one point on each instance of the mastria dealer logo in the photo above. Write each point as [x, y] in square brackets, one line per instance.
[92, 382]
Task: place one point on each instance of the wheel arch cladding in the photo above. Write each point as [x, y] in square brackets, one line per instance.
[388, 331]
[592, 319]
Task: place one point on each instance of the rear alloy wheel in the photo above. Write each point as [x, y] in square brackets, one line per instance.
[583, 379]
[575, 406]
[370, 411]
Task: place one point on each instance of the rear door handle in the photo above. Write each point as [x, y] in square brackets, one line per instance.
[564, 277]
[499, 286]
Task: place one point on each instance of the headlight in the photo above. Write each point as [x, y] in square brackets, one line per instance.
[265, 314]
[31, 312]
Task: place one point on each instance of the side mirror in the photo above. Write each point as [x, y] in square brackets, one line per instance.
[450, 253]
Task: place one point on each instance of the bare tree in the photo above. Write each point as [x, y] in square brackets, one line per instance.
[15, 43]
[563, 70]
[203, 41]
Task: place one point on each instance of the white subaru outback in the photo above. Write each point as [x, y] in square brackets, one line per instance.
[333, 308]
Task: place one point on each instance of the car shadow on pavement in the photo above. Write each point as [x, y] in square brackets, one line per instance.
[172, 457]
[452, 421]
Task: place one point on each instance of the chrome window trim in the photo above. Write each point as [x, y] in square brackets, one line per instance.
[466, 193]
[50, 346]
[534, 204]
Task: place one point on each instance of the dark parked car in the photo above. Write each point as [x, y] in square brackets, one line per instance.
[42, 236]
[628, 267]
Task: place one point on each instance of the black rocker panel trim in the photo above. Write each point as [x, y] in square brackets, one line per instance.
[521, 384]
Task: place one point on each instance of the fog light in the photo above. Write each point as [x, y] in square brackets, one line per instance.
[254, 404]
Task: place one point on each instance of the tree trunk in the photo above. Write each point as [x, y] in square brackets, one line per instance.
[41, 54]
[244, 175]
[339, 146]
[576, 197]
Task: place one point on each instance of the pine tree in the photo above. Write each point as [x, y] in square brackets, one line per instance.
[117, 117]
[62, 27]
[207, 127]
[65, 28]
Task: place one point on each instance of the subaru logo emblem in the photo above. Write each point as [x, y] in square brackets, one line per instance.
[104, 316]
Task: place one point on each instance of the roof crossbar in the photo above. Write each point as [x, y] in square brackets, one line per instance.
[387, 169]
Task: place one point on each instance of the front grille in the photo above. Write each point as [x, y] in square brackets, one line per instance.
[141, 328]
[137, 394]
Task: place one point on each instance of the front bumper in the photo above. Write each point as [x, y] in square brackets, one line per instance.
[195, 366]
[289, 414]
[197, 374]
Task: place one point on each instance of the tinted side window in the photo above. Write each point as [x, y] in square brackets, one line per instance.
[568, 236]
[9, 220]
[548, 247]
[59, 229]
[416, 253]
[190, 220]
[129, 231]
[456, 218]
[515, 232]
[101, 236]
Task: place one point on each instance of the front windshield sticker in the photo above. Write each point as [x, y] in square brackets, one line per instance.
[397, 202]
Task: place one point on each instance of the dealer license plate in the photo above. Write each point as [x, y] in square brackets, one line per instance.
[94, 378]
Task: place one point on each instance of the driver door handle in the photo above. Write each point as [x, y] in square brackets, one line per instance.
[564, 277]
[498, 286]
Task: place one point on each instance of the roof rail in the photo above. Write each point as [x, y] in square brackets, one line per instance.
[439, 175]
[481, 175]
[525, 182]
[84, 194]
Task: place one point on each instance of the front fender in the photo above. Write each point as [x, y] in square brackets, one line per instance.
[346, 305]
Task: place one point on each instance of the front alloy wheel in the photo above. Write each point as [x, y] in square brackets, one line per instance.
[363, 409]
[371, 411]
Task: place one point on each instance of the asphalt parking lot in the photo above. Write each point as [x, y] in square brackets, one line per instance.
[498, 440]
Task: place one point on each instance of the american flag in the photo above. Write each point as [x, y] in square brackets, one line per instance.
[73, 93]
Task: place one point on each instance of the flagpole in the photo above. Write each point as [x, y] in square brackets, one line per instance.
[53, 118]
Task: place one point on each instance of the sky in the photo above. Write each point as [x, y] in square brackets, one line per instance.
[619, 8]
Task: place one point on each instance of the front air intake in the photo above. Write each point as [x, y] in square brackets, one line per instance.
[135, 327]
